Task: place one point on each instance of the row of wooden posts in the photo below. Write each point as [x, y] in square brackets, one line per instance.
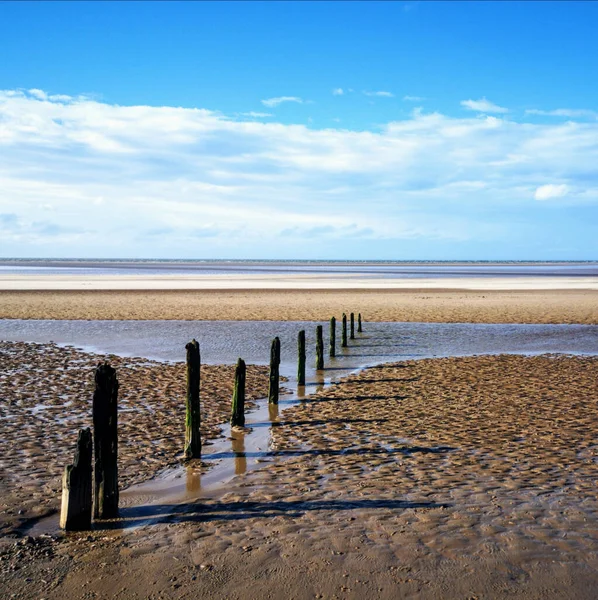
[82, 495]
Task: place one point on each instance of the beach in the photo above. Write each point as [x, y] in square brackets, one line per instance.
[448, 476]
[413, 305]
[462, 477]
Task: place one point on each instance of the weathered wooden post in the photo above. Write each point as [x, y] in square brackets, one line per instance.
[301, 359]
[359, 330]
[352, 326]
[193, 415]
[332, 337]
[237, 418]
[319, 348]
[344, 333]
[75, 514]
[274, 371]
[105, 443]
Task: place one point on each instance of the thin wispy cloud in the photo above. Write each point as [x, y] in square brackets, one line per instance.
[272, 102]
[74, 172]
[256, 115]
[569, 113]
[484, 106]
[413, 98]
[338, 92]
[380, 94]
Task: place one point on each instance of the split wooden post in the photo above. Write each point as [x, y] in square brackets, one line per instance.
[274, 371]
[301, 358]
[319, 348]
[344, 333]
[105, 443]
[237, 418]
[352, 326]
[333, 337]
[359, 330]
[193, 414]
[75, 514]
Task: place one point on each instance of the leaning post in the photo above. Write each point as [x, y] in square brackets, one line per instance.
[344, 332]
[359, 330]
[333, 337]
[75, 513]
[301, 358]
[105, 442]
[319, 348]
[193, 415]
[274, 371]
[237, 418]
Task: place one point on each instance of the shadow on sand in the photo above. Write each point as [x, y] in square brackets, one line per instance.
[232, 511]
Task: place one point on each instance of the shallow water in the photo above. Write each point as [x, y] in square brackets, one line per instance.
[223, 341]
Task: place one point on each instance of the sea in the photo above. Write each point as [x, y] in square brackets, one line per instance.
[365, 269]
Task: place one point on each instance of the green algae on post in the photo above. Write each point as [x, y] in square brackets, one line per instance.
[344, 332]
[105, 442]
[319, 348]
[301, 358]
[274, 371]
[193, 414]
[75, 513]
[332, 337]
[237, 418]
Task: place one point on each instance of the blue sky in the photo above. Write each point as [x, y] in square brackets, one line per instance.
[357, 130]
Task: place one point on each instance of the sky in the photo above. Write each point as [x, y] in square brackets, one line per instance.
[299, 130]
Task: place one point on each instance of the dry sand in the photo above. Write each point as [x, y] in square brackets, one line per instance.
[442, 478]
[451, 306]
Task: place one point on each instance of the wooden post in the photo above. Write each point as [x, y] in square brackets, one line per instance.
[319, 348]
[359, 330]
[193, 415]
[332, 337]
[352, 326]
[237, 418]
[301, 359]
[105, 443]
[75, 514]
[344, 333]
[274, 371]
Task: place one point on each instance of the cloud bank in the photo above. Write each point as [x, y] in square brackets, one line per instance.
[79, 177]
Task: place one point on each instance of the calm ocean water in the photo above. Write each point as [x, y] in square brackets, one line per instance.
[371, 269]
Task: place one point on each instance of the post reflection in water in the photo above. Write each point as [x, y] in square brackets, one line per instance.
[238, 440]
[193, 483]
[273, 413]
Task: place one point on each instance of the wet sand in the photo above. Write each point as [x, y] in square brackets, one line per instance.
[432, 306]
[45, 398]
[441, 478]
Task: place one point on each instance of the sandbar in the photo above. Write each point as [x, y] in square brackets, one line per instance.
[414, 305]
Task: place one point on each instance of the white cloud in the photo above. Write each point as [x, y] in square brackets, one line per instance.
[338, 92]
[39, 94]
[545, 192]
[193, 170]
[570, 113]
[280, 99]
[413, 98]
[381, 94]
[483, 105]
